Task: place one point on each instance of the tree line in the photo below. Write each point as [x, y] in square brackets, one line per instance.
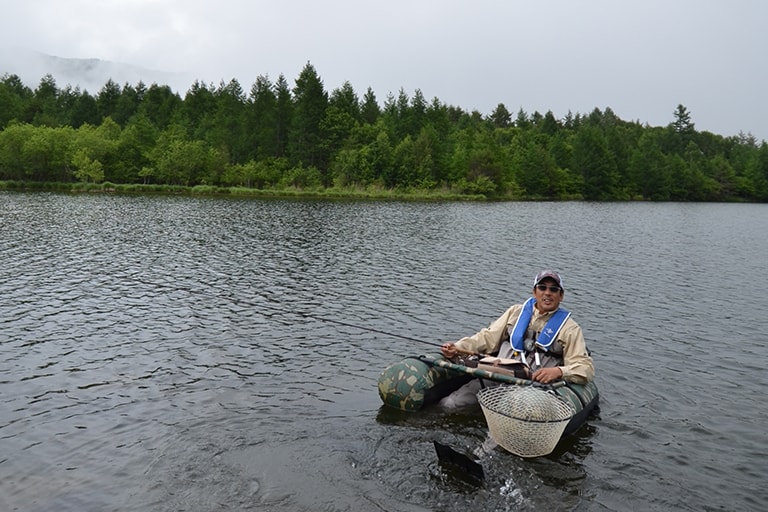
[277, 137]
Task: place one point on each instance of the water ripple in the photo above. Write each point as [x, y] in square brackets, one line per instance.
[177, 353]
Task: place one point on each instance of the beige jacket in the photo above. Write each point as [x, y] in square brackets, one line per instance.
[577, 364]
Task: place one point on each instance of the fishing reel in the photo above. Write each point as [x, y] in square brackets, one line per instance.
[469, 361]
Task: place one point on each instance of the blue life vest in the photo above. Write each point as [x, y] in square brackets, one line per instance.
[547, 335]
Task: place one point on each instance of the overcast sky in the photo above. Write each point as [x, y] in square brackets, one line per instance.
[640, 58]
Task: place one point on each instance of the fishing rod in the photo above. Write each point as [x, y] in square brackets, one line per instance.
[276, 309]
[467, 353]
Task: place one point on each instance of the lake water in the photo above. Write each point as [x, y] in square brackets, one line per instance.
[173, 353]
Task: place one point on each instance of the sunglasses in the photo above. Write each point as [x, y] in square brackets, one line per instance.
[543, 288]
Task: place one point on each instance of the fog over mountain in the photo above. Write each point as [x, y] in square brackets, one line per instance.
[87, 74]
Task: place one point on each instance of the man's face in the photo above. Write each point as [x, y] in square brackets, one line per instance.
[547, 299]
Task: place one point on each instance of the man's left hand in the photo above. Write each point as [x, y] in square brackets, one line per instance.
[547, 375]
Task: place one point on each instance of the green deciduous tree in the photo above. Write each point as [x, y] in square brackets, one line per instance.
[87, 169]
[12, 157]
[182, 162]
[303, 137]
[45, 154]
[94, 150]
[133, 151]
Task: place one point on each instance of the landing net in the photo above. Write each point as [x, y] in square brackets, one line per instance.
[525, 420]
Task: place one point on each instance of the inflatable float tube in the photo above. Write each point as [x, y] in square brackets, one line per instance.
[417, 382]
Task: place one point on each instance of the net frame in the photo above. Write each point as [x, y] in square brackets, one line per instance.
[525, 420]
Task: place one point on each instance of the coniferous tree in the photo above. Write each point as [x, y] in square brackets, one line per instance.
[416, 115]
[595, 164]
[310, 101]
[537, 169]
[66, 101]
[160, 105]
[370, 110]
[107, 98]
[683, 128]
[127, 104]
[84, 111]
[227, 133]
[14, 97]
[262, 119]
[682, 122]
[218, 136]
[199, 110]
[761, 173]
[549, 125]
[283, 116]
[522, 120]
[44, 105]
[649, 171]
[341, 117]
[501, 117]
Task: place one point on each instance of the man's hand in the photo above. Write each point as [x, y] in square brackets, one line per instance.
[448, 350]
[547, 375]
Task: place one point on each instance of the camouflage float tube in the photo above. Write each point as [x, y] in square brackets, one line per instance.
[417, 382]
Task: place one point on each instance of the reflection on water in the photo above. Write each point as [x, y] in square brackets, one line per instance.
[201, 354]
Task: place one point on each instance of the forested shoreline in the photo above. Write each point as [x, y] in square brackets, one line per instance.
[305, 139]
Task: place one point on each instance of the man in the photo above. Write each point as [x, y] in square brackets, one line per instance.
[541, 335]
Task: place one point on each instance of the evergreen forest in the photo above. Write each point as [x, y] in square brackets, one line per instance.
[277, 137]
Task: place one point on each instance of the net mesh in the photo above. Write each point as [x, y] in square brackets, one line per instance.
[524, 420]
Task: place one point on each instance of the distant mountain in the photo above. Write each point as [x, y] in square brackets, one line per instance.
[87, 74]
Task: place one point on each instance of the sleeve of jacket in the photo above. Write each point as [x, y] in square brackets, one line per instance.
[577, 364]
[489, 339]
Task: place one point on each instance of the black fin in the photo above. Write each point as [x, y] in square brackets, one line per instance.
[447, 454]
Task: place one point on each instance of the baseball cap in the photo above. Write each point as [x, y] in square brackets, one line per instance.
[551, 274]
